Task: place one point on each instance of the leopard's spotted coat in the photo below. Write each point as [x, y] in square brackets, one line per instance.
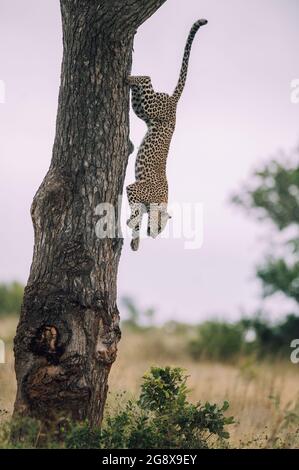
[150, 191]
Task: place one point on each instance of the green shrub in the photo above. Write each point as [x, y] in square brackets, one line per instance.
[81, 436]
[161, 417]
[222, 341]
[11, 296]
[20, 433]
[273, 340]
[217, 341]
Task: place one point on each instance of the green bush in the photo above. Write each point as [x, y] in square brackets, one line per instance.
[273, 340]
[11, 296]
[161, 417]
[20, 433]
[217, 341]
[221, 341]
[81, 436]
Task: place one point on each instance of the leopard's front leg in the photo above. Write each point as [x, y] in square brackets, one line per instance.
[134, 223]
[137, 210]
[136, 214]
[133, 194]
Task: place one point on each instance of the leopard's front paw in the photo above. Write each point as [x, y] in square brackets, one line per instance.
[131, 222]
[135, 244]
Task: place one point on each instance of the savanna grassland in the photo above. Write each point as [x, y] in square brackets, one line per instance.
[263, 396]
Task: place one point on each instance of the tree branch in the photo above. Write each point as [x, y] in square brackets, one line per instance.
[136, 12]
[116, 18]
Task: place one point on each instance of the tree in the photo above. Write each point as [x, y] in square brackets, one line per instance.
[68, 332]
[274, 197]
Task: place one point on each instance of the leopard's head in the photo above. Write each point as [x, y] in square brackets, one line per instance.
[157, 220]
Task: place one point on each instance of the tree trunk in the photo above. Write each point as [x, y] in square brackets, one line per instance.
[68, 332]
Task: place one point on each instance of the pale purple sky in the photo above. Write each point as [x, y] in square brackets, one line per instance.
[235, 112]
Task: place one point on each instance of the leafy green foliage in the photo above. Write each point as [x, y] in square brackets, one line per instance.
[81, 436]
[161, 417]
[274, 195]
[217, 340]
[223, 342]
[278, 275]
[273, 340]
[162, 388]
[19, 433]
[11, 296]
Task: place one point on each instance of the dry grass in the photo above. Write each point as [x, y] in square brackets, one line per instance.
[263, 397]
[7, 376]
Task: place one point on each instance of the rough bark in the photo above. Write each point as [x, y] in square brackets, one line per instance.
[68, 332]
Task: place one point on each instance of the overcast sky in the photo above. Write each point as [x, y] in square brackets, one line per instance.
[235, 112]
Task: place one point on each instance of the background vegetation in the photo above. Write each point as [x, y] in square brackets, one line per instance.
[243, 364]
[161, 417]
[11, 295]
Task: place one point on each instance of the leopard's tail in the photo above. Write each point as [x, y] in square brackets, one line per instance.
[183, 74]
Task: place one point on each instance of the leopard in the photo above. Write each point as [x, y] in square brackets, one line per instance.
[149, 193]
